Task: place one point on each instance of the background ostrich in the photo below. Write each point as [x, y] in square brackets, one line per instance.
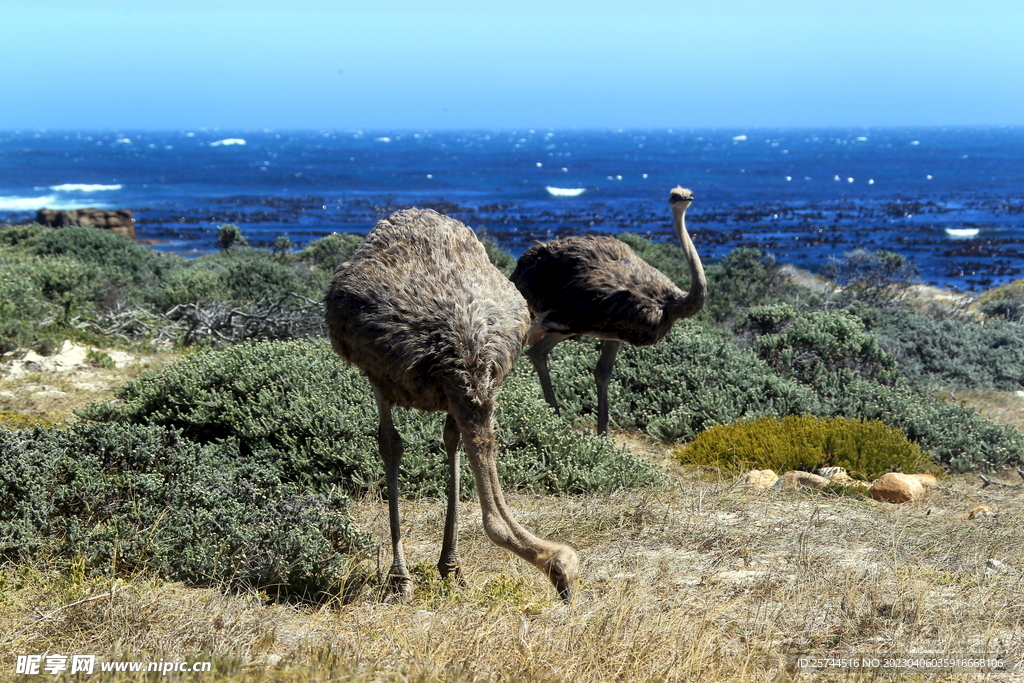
[598, 287]
[434, 326]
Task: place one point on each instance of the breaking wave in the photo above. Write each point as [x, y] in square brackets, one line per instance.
[79, 187]
[565, 191]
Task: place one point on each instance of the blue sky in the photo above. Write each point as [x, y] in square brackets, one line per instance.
[387, 64]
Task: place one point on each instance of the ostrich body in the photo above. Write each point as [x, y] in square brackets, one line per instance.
[434, 326]
[598, 287]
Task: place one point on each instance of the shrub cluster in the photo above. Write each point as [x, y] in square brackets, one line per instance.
[698, 377]
[128, 498]
[866, 448]
[55, 281]
[301, 410]
[949, 352]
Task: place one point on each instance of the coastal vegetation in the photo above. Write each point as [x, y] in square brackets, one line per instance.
[246, 466]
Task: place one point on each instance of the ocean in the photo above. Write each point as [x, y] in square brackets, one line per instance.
[950, 200]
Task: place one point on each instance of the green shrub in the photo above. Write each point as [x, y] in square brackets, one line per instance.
[248, 274]
[21, 236]
[72, 285]
[879, 277]
[1006, 301]
[327, 253]
[698, 377]
[123, 262]
[866, 448]
[298, 408]
[126, 498]
[501, 260]
[810, 346]
[951, 352]
[694, 378]
[100, 359]
[230, 235]
[21, 307]
[193, 283]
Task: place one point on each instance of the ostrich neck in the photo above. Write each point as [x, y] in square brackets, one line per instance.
[694, 299]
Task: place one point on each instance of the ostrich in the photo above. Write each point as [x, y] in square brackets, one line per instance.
[598, 287]
[434, 326]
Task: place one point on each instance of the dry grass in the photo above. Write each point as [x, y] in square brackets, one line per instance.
[696, 582]
[50, 398]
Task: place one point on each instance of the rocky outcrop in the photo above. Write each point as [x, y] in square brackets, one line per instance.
[118, 221]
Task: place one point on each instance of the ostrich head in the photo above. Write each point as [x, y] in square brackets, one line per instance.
[562, 567]
[680, 198]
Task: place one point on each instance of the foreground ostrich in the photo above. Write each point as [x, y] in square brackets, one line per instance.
[598, 287]
[434, 326]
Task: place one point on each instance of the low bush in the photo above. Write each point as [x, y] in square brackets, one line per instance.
[878, 277]
[128, 498]
[327, 253]
[694, 378]
[1006, 301]
[810, 346]
[698, 377]
[312, 418]
[501, 260]
[951, 352]
[866, 448]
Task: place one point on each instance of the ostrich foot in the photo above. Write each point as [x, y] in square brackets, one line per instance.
[399, 587]
[452, 569]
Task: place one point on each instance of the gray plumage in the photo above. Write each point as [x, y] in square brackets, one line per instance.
[598, 287]
[434, 326]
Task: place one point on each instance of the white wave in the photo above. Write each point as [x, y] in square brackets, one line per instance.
[25, 203]
[228, 141]
[382, 139]
[961, 232]
[565, 191]
[80, 187]
[739, 138]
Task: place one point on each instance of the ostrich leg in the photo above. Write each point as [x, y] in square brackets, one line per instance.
[603, 374]
[558, 562]
[449, 562]
[390, 443]
[538, 354]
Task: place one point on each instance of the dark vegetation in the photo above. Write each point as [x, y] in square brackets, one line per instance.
[234, 463]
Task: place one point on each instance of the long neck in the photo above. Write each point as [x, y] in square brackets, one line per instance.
[694, 299]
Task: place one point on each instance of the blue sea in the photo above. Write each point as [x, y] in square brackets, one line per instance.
[951, 200]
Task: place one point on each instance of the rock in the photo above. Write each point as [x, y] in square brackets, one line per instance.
[896, 488]
[980, 511]
[759, 480]
[927, 480]
[118, 221]
[793, 480]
